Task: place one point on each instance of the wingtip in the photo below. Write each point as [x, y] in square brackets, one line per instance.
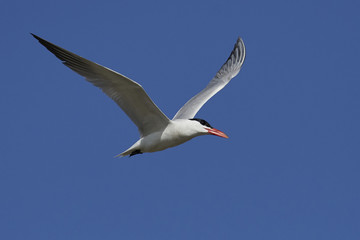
[241, 45]
[42, 41]
[35, 36]
[240, 40]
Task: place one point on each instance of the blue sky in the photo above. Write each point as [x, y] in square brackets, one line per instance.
[290, 169]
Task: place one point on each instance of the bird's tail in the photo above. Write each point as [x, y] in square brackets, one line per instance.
[123, 154]
[130, 151]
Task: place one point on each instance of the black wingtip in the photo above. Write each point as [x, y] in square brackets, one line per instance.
[37, 38]
[45, 43]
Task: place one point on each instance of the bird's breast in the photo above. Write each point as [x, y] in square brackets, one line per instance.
[158, 141]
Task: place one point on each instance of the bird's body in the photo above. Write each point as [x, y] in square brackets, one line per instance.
[157, 131]
[175, 133]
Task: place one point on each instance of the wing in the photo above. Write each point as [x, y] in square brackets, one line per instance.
[128, 94]
[229, 70]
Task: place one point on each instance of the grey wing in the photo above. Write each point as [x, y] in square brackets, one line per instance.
[228, 71]
[128, 94]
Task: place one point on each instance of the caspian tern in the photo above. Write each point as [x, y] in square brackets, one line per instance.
[157, 131]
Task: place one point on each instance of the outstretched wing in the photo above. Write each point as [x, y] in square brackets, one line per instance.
[128, 94]
[228, 71]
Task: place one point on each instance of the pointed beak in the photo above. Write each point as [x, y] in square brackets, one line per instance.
[216, 132]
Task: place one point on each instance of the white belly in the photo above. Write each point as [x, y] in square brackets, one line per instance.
[177, 132]
[162, 140]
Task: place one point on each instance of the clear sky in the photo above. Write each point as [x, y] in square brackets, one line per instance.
[290, 169]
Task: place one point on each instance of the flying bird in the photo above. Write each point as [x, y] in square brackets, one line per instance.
[157, 131]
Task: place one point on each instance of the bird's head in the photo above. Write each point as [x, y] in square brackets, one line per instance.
[205, 128]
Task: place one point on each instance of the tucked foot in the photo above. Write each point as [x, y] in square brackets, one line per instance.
[135, 152]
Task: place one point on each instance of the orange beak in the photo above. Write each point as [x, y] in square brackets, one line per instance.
[216, 132]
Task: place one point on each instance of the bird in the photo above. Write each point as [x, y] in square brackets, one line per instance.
[157, 131]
